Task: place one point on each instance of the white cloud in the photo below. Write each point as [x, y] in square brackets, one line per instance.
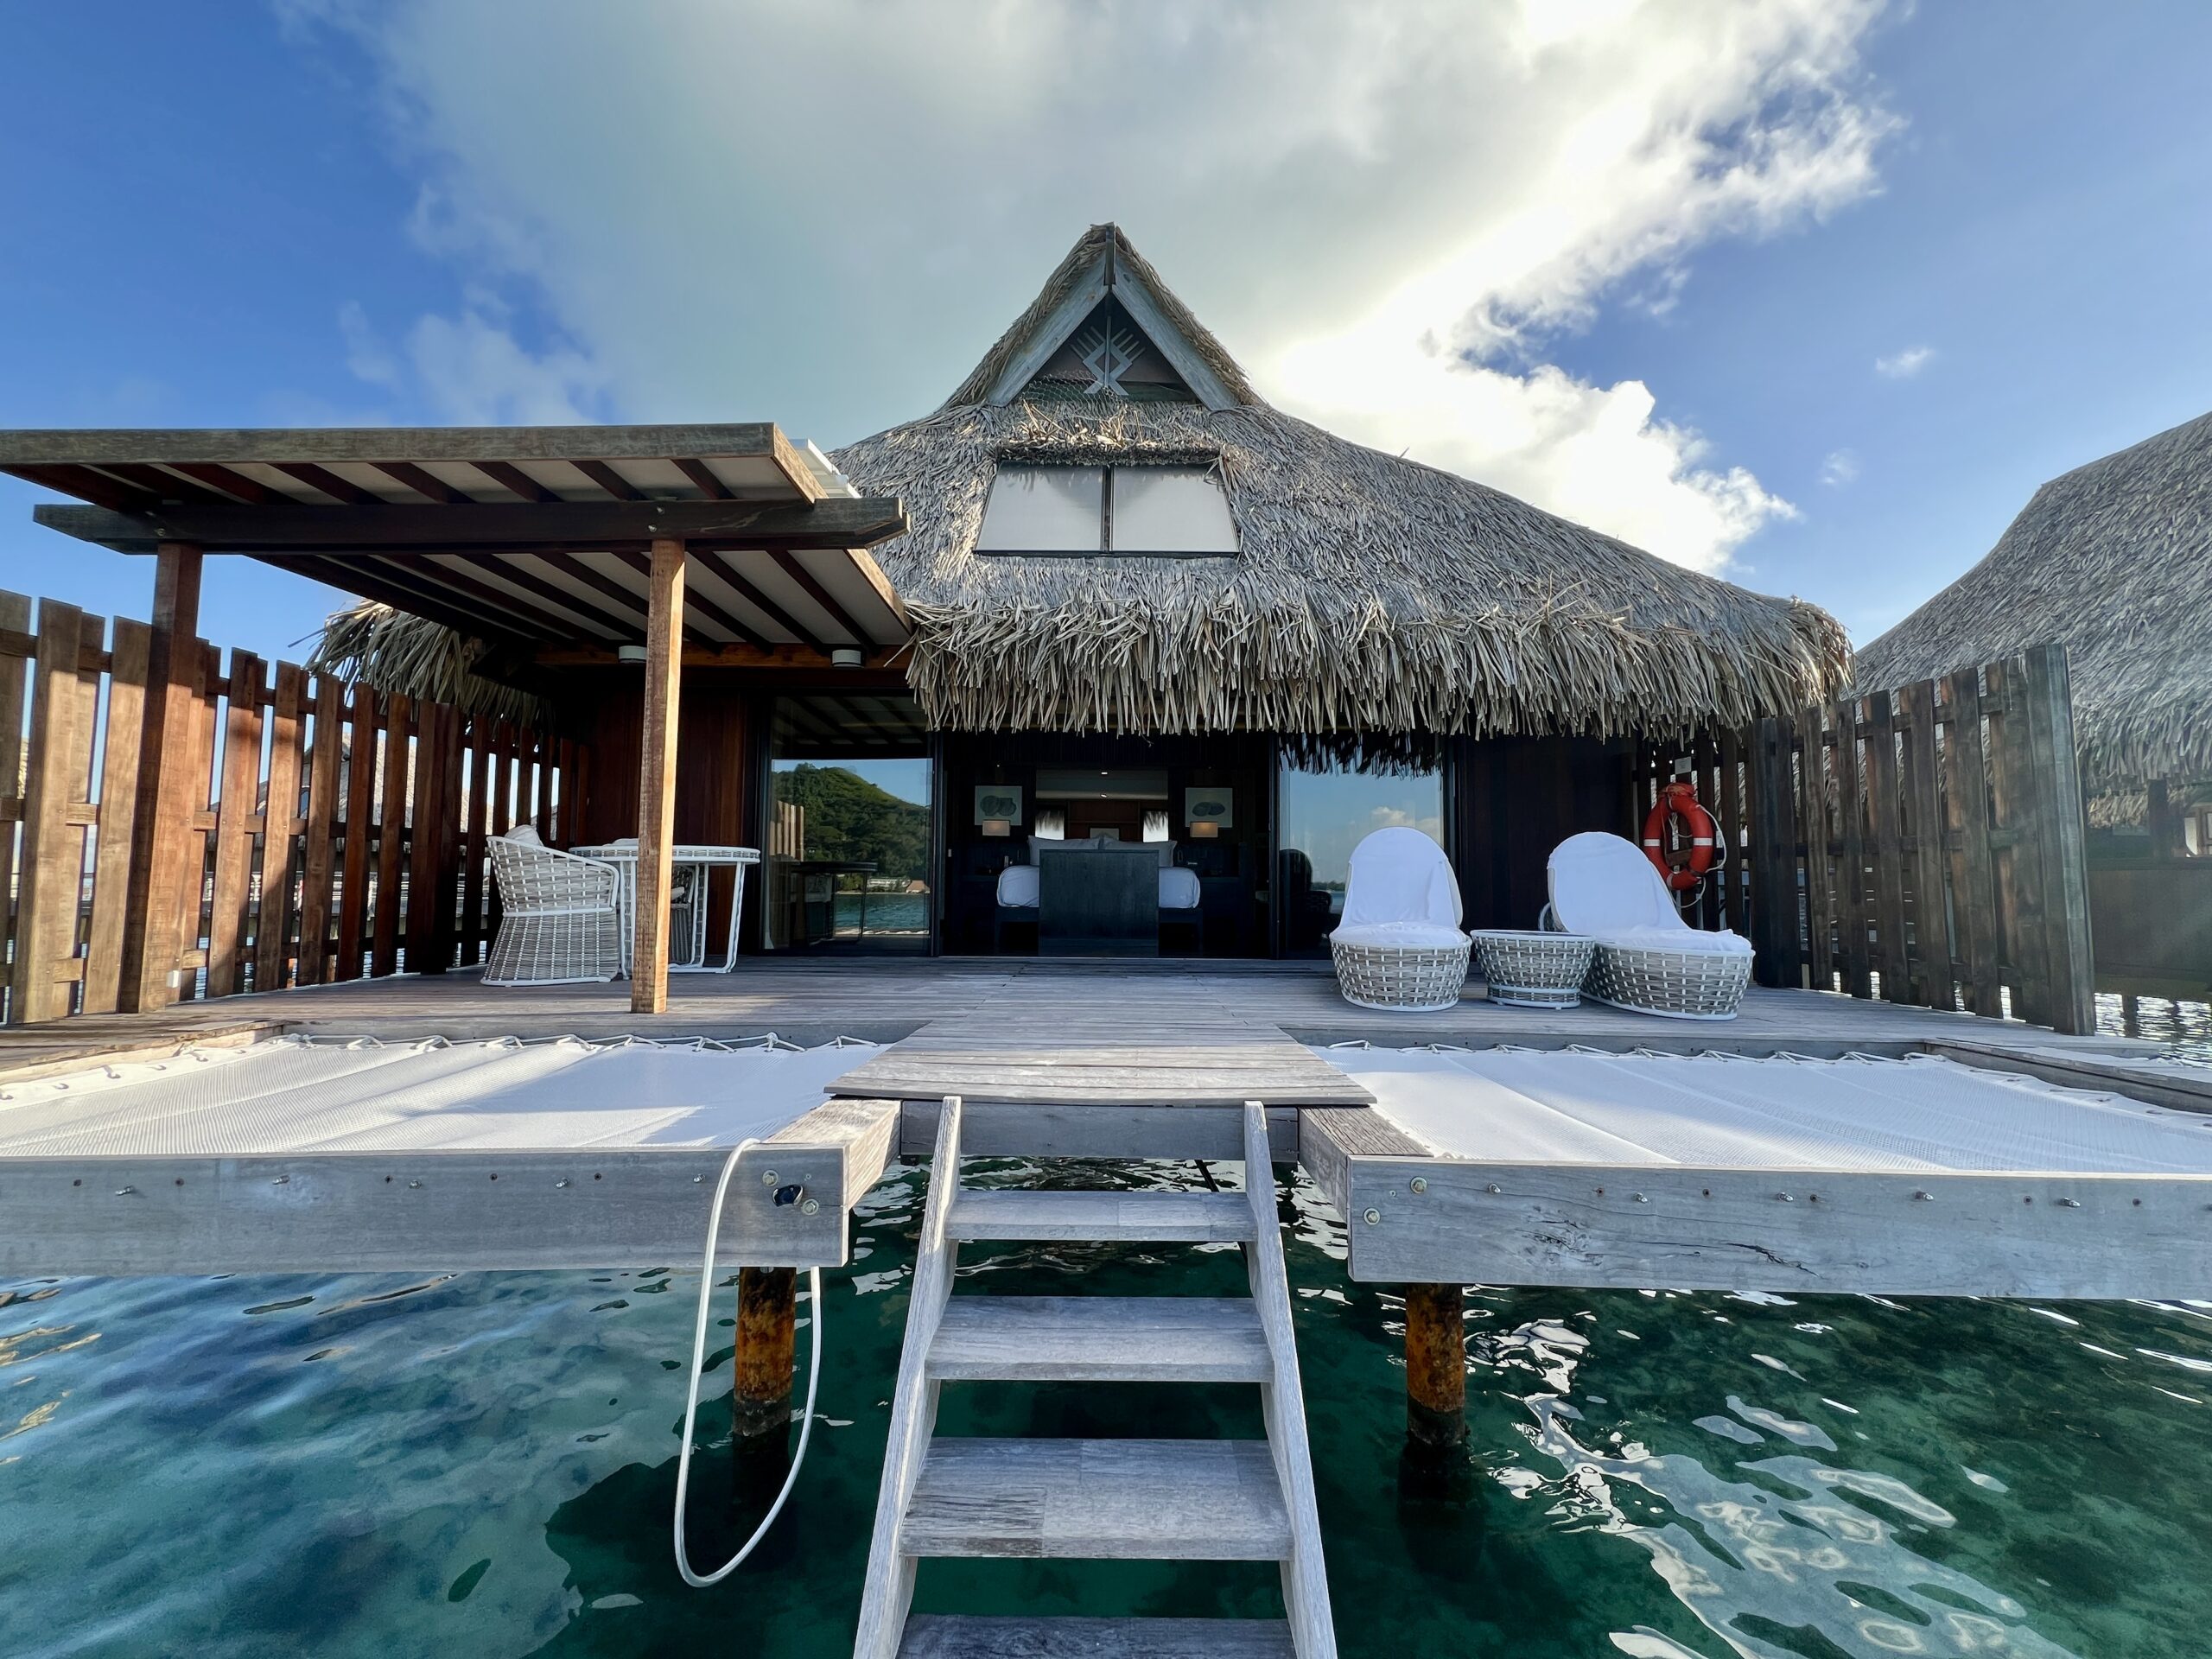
[824, 215]
[1903, 366]
[469, 369]
[1841, 468]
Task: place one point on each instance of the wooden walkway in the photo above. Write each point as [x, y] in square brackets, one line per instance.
[1086, 1040]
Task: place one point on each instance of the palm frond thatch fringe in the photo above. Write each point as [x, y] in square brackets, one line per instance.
[399, 654]
[1372, 594]
[2113, 560]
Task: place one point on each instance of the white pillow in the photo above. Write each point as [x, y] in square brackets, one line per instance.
[525, 835]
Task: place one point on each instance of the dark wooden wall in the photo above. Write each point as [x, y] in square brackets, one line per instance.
[1514, 798]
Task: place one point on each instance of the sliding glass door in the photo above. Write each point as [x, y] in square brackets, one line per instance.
[851, 787]
[1324, 808]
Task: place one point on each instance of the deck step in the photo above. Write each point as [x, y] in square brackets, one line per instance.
[1098, 1500]
[1119, 1217]
[1100, 1339]
[945, 1636]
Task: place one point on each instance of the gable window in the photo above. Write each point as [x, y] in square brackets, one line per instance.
[1103, 512]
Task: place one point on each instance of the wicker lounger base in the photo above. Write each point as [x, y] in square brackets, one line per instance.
[1398, 980]
[1673, 984]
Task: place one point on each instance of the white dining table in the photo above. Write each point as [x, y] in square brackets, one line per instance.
[702, 859]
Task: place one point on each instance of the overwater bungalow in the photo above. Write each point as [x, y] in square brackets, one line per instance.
[2113, 560]
[1149, 605]
[1105, 595]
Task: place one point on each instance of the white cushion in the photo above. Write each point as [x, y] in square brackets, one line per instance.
[525, 835]
[1399, 874]
[1178, 889]
[1604, 887]
[1018, 887]
[1401, 936]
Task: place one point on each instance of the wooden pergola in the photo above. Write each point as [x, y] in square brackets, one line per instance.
[570, 544]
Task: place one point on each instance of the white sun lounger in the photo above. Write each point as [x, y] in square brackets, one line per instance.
[1398, 944]
[1648, 958]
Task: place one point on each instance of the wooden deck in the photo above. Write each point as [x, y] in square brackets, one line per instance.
[975, 1006]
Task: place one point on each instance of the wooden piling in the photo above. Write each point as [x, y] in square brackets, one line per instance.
[768, 1323]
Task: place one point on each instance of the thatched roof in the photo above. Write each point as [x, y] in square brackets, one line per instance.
[1370, 593]
[403, 655]
[2113, 560]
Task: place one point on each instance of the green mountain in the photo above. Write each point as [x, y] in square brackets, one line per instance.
[848, 817]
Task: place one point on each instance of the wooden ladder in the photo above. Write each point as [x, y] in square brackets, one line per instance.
[1095, 1500]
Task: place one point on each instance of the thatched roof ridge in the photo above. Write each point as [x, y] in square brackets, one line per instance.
[2113, 560]
[1104, 241]
[1372, 593]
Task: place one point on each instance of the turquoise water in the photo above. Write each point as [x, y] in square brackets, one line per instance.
[483, 1465]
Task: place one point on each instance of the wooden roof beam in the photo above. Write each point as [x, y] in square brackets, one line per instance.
[721, 566]
[835, 522]
[788, 562]
[694, 599]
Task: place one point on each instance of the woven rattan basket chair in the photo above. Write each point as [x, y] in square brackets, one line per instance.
[1399, 945]
[560, 917]
[1648, 958]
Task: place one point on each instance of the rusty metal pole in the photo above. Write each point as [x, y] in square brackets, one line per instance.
[768, 1323]
[760, 1399]
[1435, 1464]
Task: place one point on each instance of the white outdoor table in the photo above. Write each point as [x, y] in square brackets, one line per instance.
[686, 956]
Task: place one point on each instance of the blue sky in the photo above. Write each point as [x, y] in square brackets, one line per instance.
[1664, 250]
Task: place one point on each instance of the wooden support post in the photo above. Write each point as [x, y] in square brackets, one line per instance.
[767, 1325]
[656, 779]
[162, 838]
[1433, 1466]
[53, 848]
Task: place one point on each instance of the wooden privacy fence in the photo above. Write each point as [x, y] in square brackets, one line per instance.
[332, 833]
[1925, 844]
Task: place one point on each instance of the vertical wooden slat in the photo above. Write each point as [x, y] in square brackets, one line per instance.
[656, 777]
[319, 860]
[194, 893]
[474, 929]
[1817, 780]
[2061, 833]
[84, 812]
[119, 761]
[280, 840]
[2019, 875]
[1886, 834]
[360, 830]
[422, 842]
[391, 834]
[565, 775]
[159, 832]
[46, 896]
[1776, 956]
[1931, 934]
[236, 809]
[1735, 872]
[1852, 919]
[1966, 824]
[16, 616]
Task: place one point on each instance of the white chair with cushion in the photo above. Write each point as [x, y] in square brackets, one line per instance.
[1398, 944]
[560, 917]
[1648, 958]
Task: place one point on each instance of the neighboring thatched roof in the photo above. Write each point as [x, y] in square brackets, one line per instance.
[2113, 560]
[403, 655]
[1371, 593]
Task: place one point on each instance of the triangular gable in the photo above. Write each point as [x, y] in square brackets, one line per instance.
[1105, 326]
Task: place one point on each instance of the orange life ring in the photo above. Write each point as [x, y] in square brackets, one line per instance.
[1678, 800]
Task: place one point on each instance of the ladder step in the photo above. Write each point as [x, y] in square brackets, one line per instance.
[951, 1637]
[1133, 1218]
[1100, 1339]
[1098, 1500]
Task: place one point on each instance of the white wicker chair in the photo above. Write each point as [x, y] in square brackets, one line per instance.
[560, 916]
[1648, 958]
[1398, 944]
